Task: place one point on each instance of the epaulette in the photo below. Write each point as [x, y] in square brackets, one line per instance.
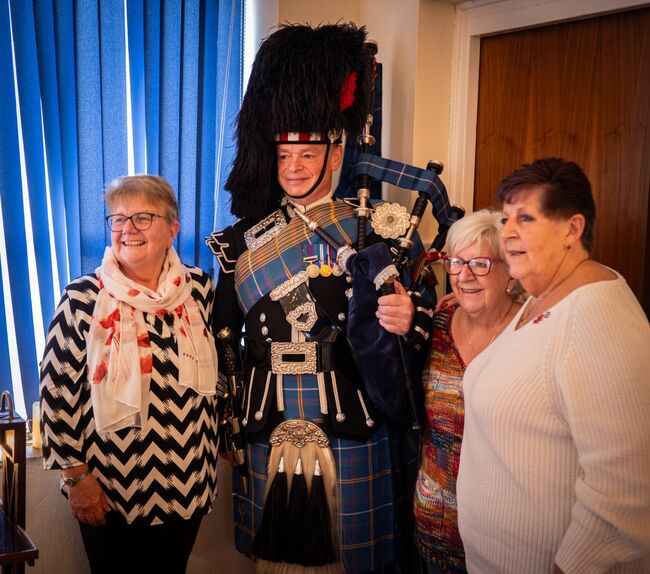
[221, 244]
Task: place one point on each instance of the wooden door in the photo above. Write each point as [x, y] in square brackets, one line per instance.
[581, 91]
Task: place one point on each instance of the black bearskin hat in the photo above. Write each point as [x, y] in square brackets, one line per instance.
[304, 79]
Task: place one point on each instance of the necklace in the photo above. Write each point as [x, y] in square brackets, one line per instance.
[500, 325]
[531, 309]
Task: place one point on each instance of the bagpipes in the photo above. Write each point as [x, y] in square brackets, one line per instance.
[392, 214]
[361, 315]
[380, 354]
[231, 420]
[401, 226]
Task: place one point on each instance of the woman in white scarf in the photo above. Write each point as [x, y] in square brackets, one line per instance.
[130, 369]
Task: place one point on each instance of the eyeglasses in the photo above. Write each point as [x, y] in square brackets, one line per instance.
[478, 265]
[141, 221]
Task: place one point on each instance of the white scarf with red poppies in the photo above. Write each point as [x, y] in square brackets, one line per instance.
[119, 354]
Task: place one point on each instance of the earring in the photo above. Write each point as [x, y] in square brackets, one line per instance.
[567, 248]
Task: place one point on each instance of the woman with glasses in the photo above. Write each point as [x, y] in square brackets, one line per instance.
[128, 390]
[555, 465]
[484, 306]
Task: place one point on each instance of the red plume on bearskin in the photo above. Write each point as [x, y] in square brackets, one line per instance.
[303, 80]
[346, 99]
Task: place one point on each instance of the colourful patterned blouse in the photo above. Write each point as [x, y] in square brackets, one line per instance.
[435, 494]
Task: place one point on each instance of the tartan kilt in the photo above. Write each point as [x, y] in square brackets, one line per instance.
[364, 493]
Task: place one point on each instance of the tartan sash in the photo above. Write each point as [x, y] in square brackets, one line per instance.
[260, 271]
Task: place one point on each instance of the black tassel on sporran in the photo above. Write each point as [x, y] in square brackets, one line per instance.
[319, 548]
[297, 527]
[268, 540]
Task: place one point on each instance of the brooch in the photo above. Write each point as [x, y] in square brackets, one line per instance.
[390, 220]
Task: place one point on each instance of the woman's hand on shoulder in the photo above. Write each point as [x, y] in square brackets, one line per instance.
[396, 311]
[445, 301]
[87, 501]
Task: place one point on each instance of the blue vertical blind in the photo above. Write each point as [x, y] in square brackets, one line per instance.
[90, 91]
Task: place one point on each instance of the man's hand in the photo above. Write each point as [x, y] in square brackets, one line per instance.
[396, 311]
[87, 501]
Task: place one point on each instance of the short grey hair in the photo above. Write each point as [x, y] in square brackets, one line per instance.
[482, 227]
[153, 187]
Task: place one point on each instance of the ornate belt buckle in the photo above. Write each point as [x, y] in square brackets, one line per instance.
[293, 358]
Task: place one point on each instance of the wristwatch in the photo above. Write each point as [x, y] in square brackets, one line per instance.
[73, 480]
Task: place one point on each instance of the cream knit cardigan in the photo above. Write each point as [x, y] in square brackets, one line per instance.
[555, 461]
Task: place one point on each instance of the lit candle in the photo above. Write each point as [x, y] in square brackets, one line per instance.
[36, 425]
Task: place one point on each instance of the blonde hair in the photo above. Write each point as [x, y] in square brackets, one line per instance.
[152, 187]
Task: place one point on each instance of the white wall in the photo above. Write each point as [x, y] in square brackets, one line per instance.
[433, 94]
[261, 16]
[433, 82]
[318, 12]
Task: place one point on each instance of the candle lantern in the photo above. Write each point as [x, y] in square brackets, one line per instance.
[16, 547]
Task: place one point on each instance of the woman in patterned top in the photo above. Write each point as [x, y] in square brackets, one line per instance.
[485, 305]
[128, 390]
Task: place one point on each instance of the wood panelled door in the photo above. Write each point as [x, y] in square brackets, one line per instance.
[578, 90]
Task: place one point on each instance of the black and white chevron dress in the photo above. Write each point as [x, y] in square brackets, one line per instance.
[166, 471]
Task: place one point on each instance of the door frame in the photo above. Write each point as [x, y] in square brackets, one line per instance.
[478, 18]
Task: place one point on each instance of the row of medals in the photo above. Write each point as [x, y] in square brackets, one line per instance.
[316, 268]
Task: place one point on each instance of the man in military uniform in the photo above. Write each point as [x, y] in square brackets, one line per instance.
[305, 408]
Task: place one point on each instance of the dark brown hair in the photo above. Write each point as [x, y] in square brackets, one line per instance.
[566, 191]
